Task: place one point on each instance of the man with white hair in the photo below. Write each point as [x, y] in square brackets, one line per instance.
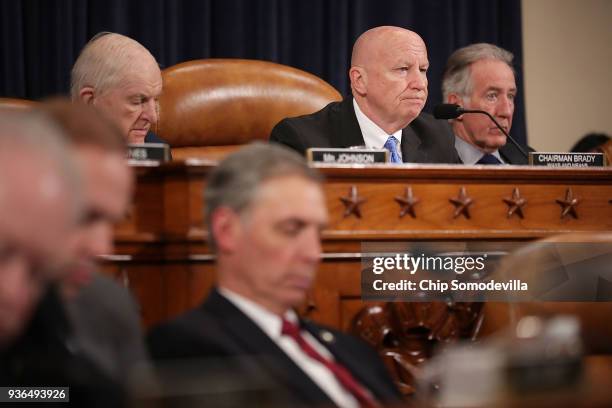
[119, 76]
[480, 76]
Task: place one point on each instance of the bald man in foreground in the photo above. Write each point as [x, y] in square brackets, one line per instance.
[388, 77]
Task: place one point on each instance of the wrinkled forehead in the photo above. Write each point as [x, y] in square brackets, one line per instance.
[145, 76]
[400, 47]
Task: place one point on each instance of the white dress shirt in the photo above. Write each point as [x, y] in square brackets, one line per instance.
[470, 154]
[373, 136]
[271, 324]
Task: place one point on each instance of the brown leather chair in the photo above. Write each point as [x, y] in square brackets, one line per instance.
[210, 107]
[17, 104]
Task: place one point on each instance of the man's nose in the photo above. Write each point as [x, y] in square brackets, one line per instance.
[311, 247]
[419, 80]
[149, 111]
[99, 240]
[505, 107]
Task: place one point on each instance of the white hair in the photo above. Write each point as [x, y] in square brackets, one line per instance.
[105, 61]
[457, 78]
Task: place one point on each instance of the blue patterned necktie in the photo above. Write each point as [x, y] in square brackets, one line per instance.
[391, 146]
[488, 159]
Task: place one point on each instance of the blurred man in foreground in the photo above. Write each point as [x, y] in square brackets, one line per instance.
[481, 76]
[40, 206]
[121, 78]
[39, 209]
[388, 77]
[103, 314]
[265, 212]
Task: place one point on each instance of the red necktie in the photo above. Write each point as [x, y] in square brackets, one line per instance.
[341, 373]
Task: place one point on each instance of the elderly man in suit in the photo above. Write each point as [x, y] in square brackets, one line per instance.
[388, 77]
[265, 212]
[481, 76]
[121, 78]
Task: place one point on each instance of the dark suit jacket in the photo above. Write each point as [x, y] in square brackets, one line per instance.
[106, 327]
[219, 329]
[424, 140]
[44, 355]
[512, 155]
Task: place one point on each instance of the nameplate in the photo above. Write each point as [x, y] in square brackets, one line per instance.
[149, 152]
[347, 156]
[550, 159]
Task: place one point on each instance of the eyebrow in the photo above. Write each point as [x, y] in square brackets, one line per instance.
[496, 88]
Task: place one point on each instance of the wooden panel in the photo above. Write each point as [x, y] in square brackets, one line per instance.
[165, 230]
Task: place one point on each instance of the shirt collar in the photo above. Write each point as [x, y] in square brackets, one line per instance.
[373, 136]
[267, 321]
[470, 154]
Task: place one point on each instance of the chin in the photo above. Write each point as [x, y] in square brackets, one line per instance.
[295, 300]
[494, 142]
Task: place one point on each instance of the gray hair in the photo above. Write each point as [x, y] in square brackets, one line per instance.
[104, 62]
[234, 182]
[33, 135]
[457, 77]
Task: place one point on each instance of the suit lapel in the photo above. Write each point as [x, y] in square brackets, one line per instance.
[253, 340]
[411, 151]
[511, 155]
[357, 368]
[345, 125]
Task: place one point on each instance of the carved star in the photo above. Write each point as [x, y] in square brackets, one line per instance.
[569, 204]
[516, 203]
[462, 204]
[407, 203]
[352, 203]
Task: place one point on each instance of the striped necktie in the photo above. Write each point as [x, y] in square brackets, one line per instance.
[343, 376]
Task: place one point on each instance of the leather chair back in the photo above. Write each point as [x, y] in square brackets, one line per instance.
[210, 107]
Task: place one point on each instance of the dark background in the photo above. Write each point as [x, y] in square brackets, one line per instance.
[40, 39]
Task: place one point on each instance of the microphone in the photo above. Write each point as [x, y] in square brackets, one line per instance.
[452, 111]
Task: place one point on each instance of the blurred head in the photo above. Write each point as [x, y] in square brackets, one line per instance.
[265, 210]
[100, 153]
[480, 76]
[591, 143]
[389, 76]
[117, 75]
[39, 208]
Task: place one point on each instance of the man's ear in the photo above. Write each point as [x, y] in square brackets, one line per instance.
[87, 95]
[359, 80]
[226, 228]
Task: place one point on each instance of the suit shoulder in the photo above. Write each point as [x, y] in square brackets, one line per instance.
[302, 132]
[425, 124]
[188, 335]
[345, 339]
